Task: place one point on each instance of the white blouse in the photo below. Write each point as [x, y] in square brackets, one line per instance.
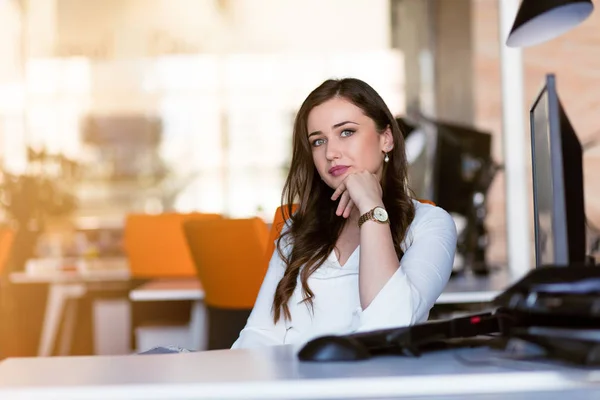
[405, 299]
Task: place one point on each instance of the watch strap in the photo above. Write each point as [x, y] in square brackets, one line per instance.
[365, 217]
[370, 216]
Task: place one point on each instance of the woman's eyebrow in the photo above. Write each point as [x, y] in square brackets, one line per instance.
[333, 127]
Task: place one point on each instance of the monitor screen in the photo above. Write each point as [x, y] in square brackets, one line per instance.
[542, 190]
[559, 215]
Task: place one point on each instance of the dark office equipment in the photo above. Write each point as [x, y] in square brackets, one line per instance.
[577, 351]
[557, 166]
[462, 175]
[455, 170]
[463, 155]
[461, 161]
[554, 308]
[334, 348]
[558, 310]
[578, 279]
[410, 341]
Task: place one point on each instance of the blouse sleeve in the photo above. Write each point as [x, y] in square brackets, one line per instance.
[423, 273]
[260, 330]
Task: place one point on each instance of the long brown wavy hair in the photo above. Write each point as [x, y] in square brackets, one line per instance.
[315, 228]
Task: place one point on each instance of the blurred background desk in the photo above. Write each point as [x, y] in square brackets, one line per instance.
[469, 288]
[66, 286]
[193, 334]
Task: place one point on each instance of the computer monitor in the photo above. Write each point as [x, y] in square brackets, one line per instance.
[447, 162]
[462, 154]
[557, 167]
[451, 164]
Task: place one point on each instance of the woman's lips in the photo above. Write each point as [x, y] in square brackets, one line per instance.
[338, 170]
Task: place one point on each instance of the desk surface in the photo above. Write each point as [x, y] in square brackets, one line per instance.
[95, 270]
[461, 289]
[168, 290]
[275, 372]
[475, 289]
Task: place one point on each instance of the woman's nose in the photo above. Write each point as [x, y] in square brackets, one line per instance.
[333, 150]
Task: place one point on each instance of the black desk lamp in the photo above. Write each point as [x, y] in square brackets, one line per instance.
[541, 20]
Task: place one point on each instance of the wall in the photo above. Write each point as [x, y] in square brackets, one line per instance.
[11, 75]
[10, 49]
[437, 49]
[139, 28]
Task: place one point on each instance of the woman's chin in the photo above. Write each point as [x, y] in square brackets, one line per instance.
[334, 181]
[331, 185]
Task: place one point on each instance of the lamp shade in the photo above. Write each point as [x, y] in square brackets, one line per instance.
[540, 20]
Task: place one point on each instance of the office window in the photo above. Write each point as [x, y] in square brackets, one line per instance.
[225, 123]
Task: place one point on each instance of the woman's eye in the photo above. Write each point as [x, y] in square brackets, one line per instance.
[318, 142]
[347, 132]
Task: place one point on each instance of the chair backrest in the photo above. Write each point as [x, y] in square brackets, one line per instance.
[424, 201]
[228, 256]
[7, 237]
[156, 246]
[278, 223]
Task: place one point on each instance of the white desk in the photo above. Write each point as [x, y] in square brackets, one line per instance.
[179, 290]
[460, 290]
[475, 289]
[65, 285]
[100, 270]
[275, 373]
[168, 290]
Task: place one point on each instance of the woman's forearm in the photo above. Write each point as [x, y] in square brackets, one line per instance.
[378, 259]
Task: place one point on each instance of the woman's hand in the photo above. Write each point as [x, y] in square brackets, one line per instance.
[361, 190]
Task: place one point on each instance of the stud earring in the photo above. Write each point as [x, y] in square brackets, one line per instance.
[386, 158]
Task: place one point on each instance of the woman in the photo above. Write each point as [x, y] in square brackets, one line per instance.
[359, 254]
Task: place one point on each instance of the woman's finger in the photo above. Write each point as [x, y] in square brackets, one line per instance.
[340, 189]
[348, 208]
[344, 199]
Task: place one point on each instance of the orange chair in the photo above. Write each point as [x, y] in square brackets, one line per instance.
[156, 247]
[229, 258]
[7, 237]
[426, 201]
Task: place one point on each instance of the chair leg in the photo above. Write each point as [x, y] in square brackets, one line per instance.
[198, 326]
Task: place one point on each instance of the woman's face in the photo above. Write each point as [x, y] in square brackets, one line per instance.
[344, 140]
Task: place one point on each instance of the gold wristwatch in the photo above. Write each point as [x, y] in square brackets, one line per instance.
[377, 214]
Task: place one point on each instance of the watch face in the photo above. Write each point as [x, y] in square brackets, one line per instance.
[380, 214]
